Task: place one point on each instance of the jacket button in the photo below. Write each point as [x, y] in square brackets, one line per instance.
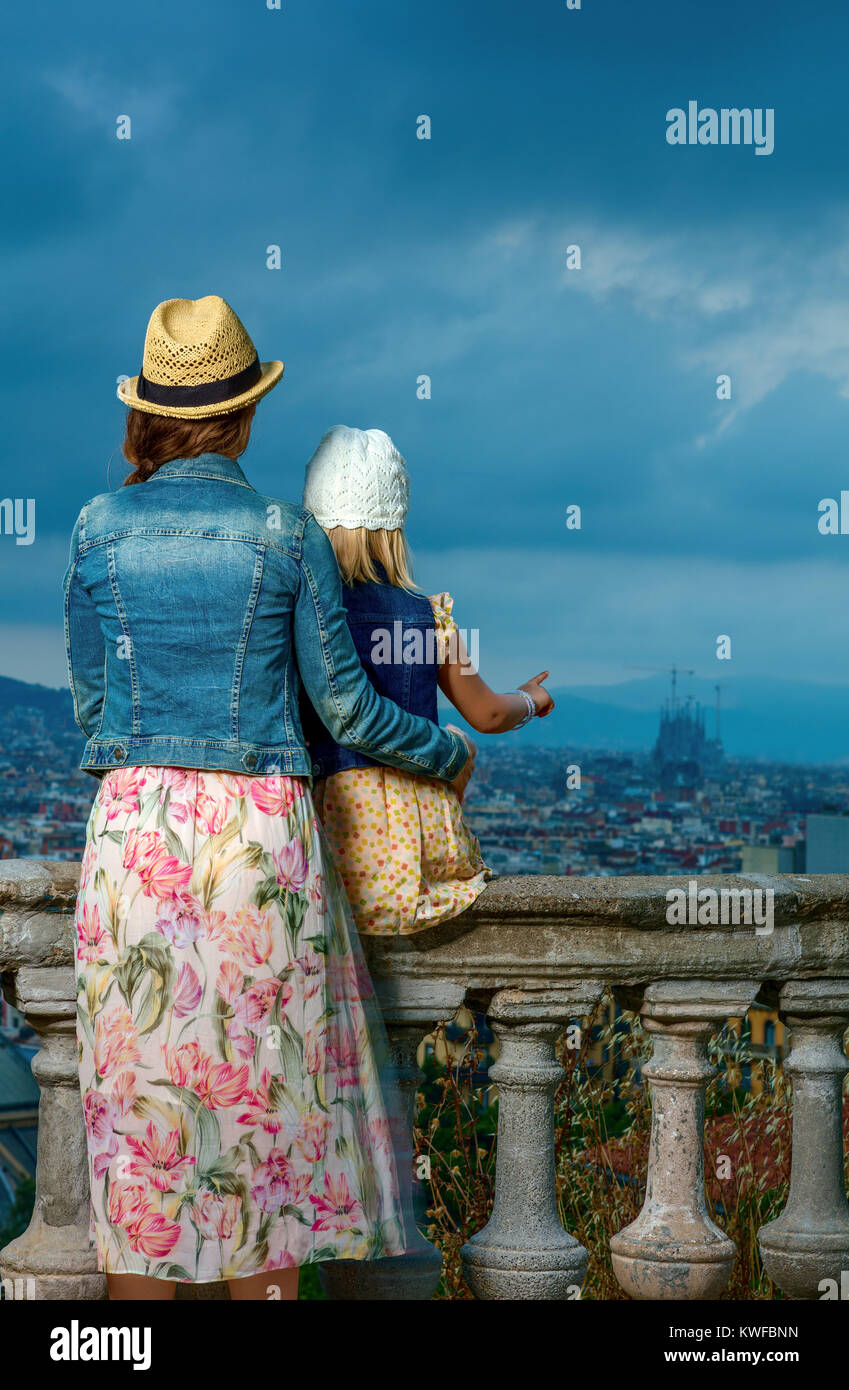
[316, 769]
[119, 752]
[251, 760]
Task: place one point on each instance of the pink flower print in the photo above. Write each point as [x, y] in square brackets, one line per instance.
[291, 865]
[185, 1063]
[223, 1085]
[124, 1092]
[243, 1042]
[90, 934]
[344, 1062]
[101, 1163]
[311, 1136]
[272, 795]
[234, 786]
[317, 894]
[188, 991]
[100, 1117]
[300, 1188]
[88, 863]
[148, 1232]
[248, 937]
[211, 814]
[157, 1158]
[272, 1182]
[261, 1109]
[315, 1044]
[311, 967]
[175, 780]
[254, 1007]
[337, 1209]
[216, 1216]
[215, 919]
[126, 1200]
[115, 1041]
[379, 1135]
[283, 1260]
[365, 988]
[230, 981]
[99, 1114]
[342, 978]
[182, 920]
[152, 1234]
[161, 873]
[218, 1086]
[121, 791]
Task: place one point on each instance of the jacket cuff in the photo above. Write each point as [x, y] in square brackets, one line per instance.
[459, 759]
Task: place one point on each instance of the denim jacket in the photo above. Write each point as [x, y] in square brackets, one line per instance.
[395, 637]
[194, 608]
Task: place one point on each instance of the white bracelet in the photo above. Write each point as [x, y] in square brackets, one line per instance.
[532, 709]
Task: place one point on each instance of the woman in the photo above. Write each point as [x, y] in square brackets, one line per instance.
[236, 1123]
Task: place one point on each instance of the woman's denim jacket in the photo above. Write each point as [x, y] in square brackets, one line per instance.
[192, 606]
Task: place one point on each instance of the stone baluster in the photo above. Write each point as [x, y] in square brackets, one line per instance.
[53, 1257]
[523, 1251]
[809, 1242]
[673, 1250]
[410, 1009]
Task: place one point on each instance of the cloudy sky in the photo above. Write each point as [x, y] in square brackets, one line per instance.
[447, 257]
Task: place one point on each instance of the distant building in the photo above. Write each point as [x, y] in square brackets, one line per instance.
[772, 859]
[683, 755]
[828, 845]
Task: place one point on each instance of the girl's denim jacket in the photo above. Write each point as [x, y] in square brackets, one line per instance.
[395, 637]
[194, 609]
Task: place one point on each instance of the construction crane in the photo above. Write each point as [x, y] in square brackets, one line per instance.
[674, 671]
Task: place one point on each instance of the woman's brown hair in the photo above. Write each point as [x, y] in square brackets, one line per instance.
[152, 440]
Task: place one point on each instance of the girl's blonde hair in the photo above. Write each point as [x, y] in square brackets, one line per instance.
[356, 550]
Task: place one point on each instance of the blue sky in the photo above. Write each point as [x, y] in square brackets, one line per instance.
[447, 257]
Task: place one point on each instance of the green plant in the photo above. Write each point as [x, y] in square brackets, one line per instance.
[602, 1130]
[20, 1212]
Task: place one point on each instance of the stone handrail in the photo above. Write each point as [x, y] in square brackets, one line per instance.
[533, 954]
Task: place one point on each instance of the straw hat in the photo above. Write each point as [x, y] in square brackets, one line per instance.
[198, 361]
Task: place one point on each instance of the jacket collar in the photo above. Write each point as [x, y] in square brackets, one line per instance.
[204, 466]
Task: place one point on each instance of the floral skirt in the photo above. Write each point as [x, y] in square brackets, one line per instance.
[231, 1054]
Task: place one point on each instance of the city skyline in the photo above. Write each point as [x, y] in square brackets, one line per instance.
[401, 257]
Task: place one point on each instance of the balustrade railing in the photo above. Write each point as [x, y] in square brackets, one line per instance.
[533, 954]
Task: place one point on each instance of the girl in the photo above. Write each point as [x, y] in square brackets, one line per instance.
[405, 853]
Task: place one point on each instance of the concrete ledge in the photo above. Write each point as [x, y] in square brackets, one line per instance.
[530, 932]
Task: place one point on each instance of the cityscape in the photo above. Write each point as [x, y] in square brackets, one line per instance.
[680, 807]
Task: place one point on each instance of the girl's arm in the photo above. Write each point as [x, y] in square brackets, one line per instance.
[486, 710]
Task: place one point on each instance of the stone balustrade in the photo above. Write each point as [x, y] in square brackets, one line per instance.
[533, 954]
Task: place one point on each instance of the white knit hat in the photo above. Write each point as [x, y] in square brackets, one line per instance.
[357, 478]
